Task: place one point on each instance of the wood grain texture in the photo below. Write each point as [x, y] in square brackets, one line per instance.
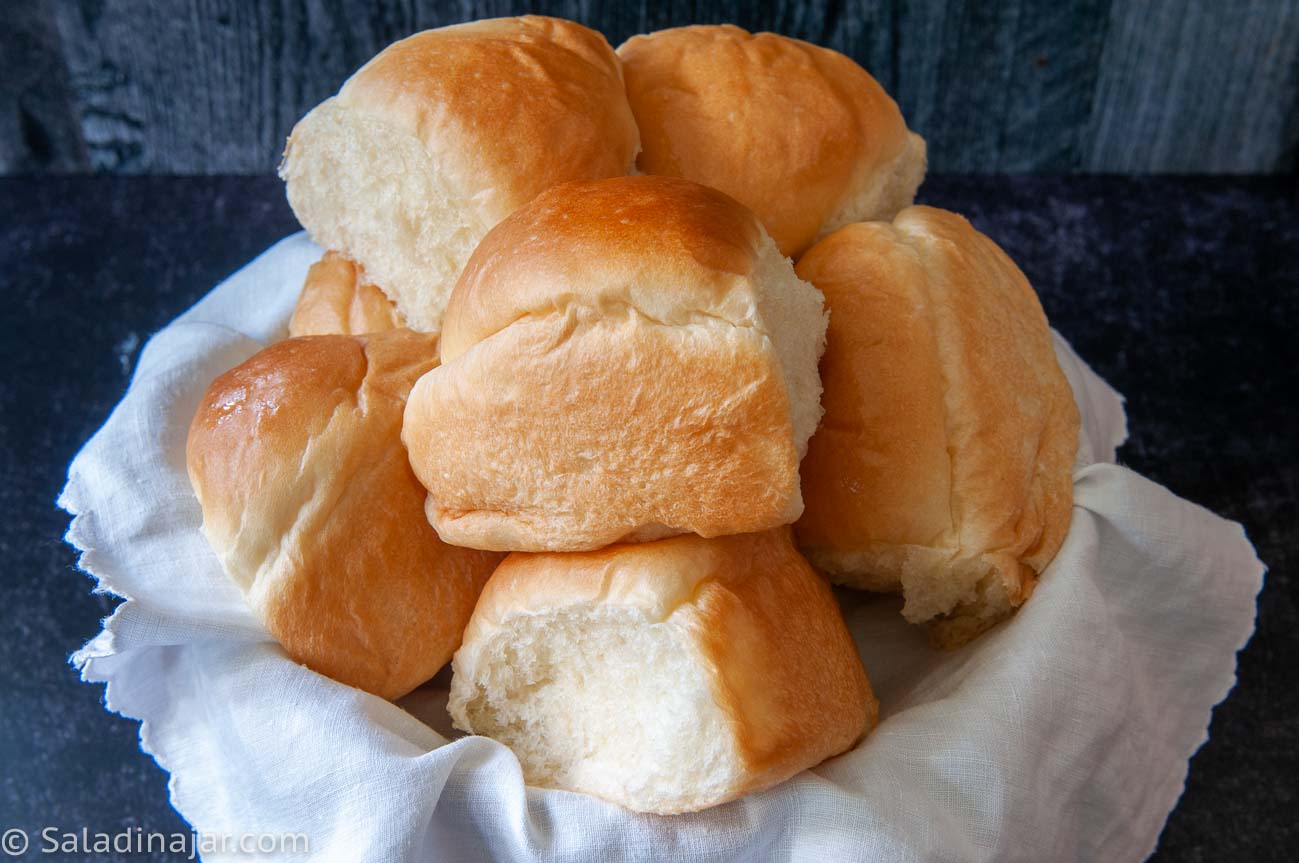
[207, 86]
[1000, 87]
[1185, 85]
[39, 128]
[214, 86]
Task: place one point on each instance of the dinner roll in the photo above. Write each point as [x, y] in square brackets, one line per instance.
[943, 467]
[309, 502]
[446, 132]
[623, 359]
[800, 134]
[337, 298]
[667, 676]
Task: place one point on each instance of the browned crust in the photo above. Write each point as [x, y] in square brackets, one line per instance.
[337, 299]
[783, 665]
[605, 377]
[950, 430]
[787, 671]
[789, 128]
[538, 440]
[656, 242]
[310, 502]
[507, 106]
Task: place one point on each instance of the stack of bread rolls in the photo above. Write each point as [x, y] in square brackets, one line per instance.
[558, 401]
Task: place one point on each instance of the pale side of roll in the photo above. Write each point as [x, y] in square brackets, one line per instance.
[800, 134]
[442, 135]
[623, 359]
[667, 676]
[311, 506]
[943, 466]
[338, 299]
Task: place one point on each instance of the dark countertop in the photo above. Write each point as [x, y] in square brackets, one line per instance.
[1183, 293]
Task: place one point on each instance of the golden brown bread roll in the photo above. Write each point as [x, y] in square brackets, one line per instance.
[446, 132]
[801, 135]
[338, 299]
[943, 466]
[310, 504]
[666, 676]
[623, 359]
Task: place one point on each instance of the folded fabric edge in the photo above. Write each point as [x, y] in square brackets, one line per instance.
[79, 530]
[85, 664]
[1096, 398]
[86, 527]
[294, 252]
[125, 697]
[1252, 580]
[102, 643]
[90, 564]
[147, 365]
[1177, 778]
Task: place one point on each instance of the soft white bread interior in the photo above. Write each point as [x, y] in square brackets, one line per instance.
[622, 359]
[338, 299]
[666, 676]
[443, 134]
[800, 134]
[310, 504]
[943, 467]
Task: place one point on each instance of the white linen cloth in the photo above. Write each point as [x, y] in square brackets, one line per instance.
[1062, 734]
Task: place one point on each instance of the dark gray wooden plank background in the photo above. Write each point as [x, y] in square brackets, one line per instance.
[1127, 86]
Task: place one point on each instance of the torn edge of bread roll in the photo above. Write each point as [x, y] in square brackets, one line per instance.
[666, 677]
[800, 134]
[338, 299]
[943, 466]
[623, 359]
[443, 134]
[310, 504]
